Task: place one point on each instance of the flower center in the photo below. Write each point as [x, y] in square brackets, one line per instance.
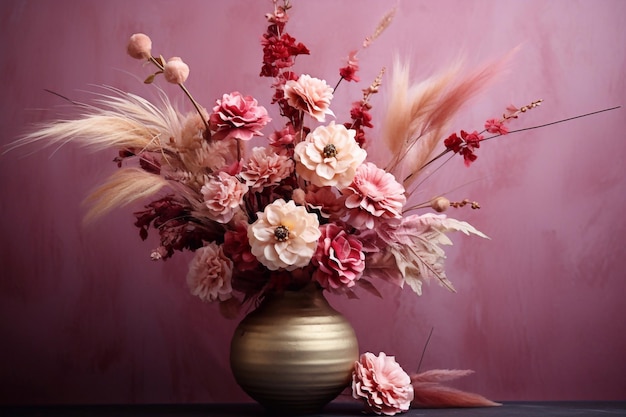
[330, 151]
[281, 233]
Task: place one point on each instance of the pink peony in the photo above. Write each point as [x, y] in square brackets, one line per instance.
[374, 195]
[223, 195]
[382, 384]
[284, 236]
[266, 168]
[310, 95]
[210, 273]
[237, 117]
[139, 46]
[329, 156]
[339, 258]
[176, 71]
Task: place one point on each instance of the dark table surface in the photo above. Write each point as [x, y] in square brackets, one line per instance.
[508, 409]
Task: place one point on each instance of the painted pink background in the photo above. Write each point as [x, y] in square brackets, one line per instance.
[86, 317]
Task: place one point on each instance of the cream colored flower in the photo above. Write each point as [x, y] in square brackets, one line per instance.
[284, 236]
[329, 156]
[310, 95]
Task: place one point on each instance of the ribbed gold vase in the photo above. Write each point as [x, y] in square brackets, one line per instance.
[294, 353]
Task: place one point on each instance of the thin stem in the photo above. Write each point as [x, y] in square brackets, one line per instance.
[337, 85]
[424, 350]
[445, 151]
[556, 122]
[207, 134]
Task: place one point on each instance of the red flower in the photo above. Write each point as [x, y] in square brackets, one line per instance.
[236, 246]
[279, 53]
[361, 117]
[348, 72]
[464, 145]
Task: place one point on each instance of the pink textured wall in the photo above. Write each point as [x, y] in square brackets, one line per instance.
[85, 316]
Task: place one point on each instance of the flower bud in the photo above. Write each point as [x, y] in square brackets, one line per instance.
[139, 46]
[440, 204]
[176, 71]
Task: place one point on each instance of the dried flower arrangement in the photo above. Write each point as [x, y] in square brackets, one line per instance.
[309, 206]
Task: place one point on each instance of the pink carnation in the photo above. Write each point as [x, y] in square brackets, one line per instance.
[382, 384]
[210, 273]
[237, 117]
[374, 195]
[310, 95]
[223, 195]
[266, 168]
[339, 258]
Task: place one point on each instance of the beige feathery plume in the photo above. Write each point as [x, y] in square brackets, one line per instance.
[417, 115]
[125, 186]
[383, 24]
[117, 120]
[408, 109]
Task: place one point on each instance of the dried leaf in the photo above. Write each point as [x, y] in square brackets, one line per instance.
[428, 393]
[369, 287]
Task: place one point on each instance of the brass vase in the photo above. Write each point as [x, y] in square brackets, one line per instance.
[294, 353]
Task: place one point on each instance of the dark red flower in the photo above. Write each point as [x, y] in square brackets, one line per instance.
[177, 230]
[465, 145]
[279, 53]
[348, 72]
[236, 247]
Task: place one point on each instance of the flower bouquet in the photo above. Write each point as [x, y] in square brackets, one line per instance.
[306, 208]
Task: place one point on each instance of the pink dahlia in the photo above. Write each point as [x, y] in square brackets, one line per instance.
[382, 384]
[310, 95]
[210, 273]
[374, 195]
[223, 195]
[339, 258]
[238, 117]
[266, 168]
